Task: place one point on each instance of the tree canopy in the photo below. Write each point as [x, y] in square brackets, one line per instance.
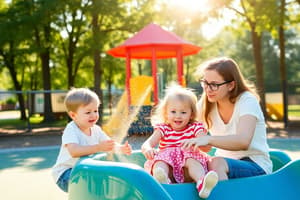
[50, 44]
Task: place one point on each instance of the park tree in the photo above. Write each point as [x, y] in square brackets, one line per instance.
[71, 29]
[12, 48]
[43, 13]
[109, 16]
[257, 15]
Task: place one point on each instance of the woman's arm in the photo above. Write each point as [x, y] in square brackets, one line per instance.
[239, 141]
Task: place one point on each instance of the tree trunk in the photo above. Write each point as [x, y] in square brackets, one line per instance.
[9, 60]
[97, 63]
[18, 87]
[282, 64]
[46, 75]
[256, 42]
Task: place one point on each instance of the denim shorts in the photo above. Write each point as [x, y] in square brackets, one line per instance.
[243, 167]
[63, 181]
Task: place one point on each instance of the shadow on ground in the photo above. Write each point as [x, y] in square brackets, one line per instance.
[29, 159]
[291, 144]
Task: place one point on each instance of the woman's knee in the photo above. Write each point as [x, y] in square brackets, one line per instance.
[217, 163]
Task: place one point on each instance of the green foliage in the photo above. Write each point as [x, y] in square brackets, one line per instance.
[11, 100]
[73, 40]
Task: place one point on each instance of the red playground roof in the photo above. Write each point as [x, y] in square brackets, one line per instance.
[151, 38]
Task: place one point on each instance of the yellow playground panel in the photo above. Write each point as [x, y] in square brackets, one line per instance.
[138, 86]
[274, 105]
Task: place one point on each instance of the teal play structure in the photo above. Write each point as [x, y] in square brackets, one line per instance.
[96, 177]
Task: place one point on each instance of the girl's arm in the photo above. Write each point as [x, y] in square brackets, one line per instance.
[239, 141]
[148, 146]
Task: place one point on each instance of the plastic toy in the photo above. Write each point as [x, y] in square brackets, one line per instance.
[124, 178]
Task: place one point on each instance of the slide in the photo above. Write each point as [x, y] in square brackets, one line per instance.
[96, 178]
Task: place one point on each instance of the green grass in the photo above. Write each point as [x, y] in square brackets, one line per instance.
[36, 120]
[294, 110]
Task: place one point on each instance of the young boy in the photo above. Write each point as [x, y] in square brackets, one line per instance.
[82, 136]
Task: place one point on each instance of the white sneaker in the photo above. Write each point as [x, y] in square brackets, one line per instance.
[207, 184]
[160, 175]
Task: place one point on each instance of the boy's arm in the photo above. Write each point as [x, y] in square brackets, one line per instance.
[77, 150]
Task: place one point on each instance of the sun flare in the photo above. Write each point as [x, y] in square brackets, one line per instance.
[202, 6]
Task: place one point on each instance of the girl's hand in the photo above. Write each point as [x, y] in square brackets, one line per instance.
[126, 148]
[106, 145]
[149, 153]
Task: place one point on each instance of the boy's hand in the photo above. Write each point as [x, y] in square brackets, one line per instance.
[126, 148]
[106, 145]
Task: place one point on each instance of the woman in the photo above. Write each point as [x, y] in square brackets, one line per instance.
[230, 109]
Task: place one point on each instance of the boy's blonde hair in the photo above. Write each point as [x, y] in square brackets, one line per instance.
[174, 92]
[77, 97]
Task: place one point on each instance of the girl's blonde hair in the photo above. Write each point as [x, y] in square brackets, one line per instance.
[77, 97]
[174, 92]
[230, 71]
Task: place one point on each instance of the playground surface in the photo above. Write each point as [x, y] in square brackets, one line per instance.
[26, 161]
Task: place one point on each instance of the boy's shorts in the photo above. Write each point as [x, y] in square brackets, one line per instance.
[63, 181]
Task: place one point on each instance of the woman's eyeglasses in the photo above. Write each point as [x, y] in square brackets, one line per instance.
[212, 86]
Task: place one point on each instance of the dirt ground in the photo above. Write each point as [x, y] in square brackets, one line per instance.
[51, 136]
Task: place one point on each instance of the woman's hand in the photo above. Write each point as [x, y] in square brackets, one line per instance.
[195, 142]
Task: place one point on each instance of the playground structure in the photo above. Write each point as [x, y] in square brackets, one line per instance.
[274, 106]
[95, 177]
[151, 43]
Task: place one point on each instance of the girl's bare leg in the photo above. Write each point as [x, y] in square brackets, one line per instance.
[161, 171]
[205, 182]
[195, 169]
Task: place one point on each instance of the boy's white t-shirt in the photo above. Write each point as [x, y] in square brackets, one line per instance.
[258, 151]
[72, 134]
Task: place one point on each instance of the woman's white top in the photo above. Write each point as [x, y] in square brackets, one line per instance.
[258, 151]
[72, 134]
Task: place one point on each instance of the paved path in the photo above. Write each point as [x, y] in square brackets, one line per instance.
[25, 173]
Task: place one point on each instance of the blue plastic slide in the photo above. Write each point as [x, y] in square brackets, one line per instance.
[96, 178]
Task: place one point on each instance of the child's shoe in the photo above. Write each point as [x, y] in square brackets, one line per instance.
[160, 175]
[206, 185]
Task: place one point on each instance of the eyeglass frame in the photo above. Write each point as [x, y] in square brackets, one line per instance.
[204, 84]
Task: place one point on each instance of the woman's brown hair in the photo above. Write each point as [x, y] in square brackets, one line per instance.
[230, 71]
